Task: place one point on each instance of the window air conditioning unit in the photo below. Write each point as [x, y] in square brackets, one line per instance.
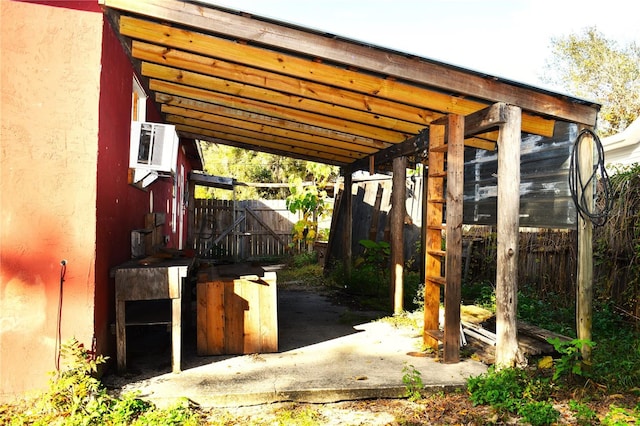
[153, 147]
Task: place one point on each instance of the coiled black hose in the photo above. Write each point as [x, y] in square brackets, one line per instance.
[597, 213]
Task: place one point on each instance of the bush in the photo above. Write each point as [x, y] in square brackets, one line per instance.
[501, 389]
[75, 397]
[538, 413]
[511, 390]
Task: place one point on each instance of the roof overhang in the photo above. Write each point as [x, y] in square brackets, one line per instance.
[231, 78]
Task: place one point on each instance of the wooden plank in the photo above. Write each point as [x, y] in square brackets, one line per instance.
[234, 318]
[176, 335]
[539, 333]
[193, 107]
[234, 88]
[453, 259]
[179, 59]
[269, 313]
[202, 326]
[266, 139]
[375, 215]
[215, 318]
[272, 147]
[289, 130]
[272, 133]
[507, 352]
[121, 335]
[424, 72]
[168, 90]
[248, 289]
[267, 227]
[398, 213]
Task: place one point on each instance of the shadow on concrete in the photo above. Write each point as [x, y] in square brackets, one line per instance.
[305, 318]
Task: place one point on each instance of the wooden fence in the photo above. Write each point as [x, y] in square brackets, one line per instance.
[242, 230]
[546, 261]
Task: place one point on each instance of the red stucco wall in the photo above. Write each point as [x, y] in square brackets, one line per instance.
[49, 104]
[65, 114]
[121, 207]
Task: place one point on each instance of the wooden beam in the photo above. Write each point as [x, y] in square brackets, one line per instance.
[241, 90]
[486, 119]
[584, 281]
[190, 107]
[453, 259]
[260, 141]
[221, 123]
[398, 213]
[378, 60]
[474, 123]
[263, 133]
[203, 179]
[508, 220]
[433, 243]
[179, 59]
[195, 134]
[305, 68]
[282, 111]
[411, 146]
[347, 199]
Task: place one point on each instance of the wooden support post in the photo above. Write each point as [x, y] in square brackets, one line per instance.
[508, 221]
[584, 284]
[453, 258]
[398, 213]
[433, 242]
[191, 215]
[347, 199]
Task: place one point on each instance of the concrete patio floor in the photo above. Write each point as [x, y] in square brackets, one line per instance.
[327, 353]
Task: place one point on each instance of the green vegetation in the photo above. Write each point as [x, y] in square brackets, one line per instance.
[258, 167]
[514, 391]
[76, 397]
[309, 202]
[570, 364]
[412, 379]
[590, 66]
[583, 413]
[300, 417]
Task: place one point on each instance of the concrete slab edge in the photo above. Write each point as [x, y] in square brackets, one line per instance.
[313, 396]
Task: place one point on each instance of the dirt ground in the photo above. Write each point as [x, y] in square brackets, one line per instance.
[439, 409]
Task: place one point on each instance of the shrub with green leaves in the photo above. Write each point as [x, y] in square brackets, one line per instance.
[583, 413]
[501, 389]
[570, 365]
[619, 416]
[76, 397]
[412, 379]
[538, 413]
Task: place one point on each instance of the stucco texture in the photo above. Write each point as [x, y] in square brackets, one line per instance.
[49, 128]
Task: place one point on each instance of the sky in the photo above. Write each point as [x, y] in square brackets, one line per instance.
[504, 38]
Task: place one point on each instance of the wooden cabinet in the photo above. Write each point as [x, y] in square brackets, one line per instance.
[157, 280]
[237, 315]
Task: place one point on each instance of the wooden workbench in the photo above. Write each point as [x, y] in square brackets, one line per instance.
[150, 279]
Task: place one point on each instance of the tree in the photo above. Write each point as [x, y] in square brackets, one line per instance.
[258, 167]
[588, 65]
[309, 202]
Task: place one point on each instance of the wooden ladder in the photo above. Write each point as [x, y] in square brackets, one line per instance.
[444, 197]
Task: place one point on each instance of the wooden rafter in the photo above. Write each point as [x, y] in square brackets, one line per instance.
[260, 84]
